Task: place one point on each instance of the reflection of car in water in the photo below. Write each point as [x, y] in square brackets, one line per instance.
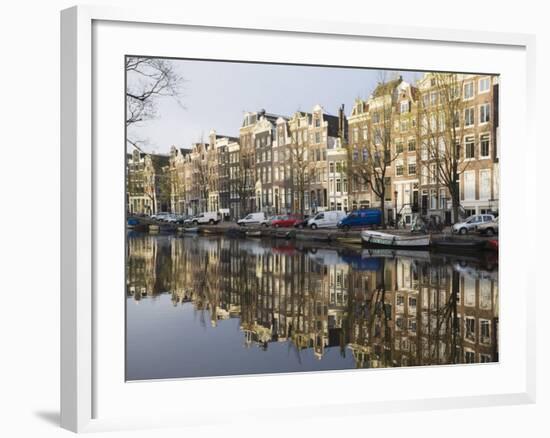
[469, 270]
[360, 263]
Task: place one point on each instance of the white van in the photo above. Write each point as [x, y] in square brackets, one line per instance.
[252, 219]
[326, 219]
[208, 217]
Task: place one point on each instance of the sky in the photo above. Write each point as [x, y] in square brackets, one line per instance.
[216, 94]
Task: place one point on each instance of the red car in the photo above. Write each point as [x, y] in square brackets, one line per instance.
[286, 221]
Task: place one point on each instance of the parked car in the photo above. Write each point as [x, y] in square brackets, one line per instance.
[472, 223]
[174, 219]
[285, 221]
[252, 219]
[160, 216]
[189, 220]
[326, 219]
[267, 221]
[361, 218]
[302, 223]
[489, 228]
[208, 217]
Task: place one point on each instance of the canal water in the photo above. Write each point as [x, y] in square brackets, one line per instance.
[215, 306]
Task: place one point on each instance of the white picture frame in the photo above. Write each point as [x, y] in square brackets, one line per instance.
[83, 320]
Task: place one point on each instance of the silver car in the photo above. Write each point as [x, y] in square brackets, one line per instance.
[472, 223]
[489, 228]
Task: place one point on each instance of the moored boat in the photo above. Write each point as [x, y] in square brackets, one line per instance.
[376, 238]
[457, 244]
[189, 229]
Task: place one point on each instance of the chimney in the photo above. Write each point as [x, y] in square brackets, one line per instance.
[342, 123]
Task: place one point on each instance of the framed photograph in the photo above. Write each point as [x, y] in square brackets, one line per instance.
[318, 215]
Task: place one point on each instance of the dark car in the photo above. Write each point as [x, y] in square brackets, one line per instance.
[302, 223]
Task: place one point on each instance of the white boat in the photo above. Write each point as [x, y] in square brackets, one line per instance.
[376, 238]
[190, 229]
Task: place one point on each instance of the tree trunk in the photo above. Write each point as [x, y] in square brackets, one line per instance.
[382, 207]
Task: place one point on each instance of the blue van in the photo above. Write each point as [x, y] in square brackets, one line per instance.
[361, 218]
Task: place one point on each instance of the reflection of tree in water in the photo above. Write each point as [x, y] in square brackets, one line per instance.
[387, 311]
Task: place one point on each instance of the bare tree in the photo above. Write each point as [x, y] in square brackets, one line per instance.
[201, 173]
[373, 170]
[147, 80]
[441, 128]
[300, 165]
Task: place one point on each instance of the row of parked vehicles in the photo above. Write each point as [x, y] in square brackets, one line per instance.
[210, 218]
[482, 223]
[324, 219]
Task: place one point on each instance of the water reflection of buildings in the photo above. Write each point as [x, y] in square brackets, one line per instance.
[397, 311]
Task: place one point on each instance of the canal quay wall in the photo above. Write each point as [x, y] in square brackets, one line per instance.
[332, 235]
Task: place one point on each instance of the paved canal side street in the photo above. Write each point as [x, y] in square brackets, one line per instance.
[218, 305]
[333, 235]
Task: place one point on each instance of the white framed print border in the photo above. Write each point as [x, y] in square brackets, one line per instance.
[86, 404]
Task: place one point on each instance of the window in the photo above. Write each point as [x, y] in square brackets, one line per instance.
[412, 302]
[433, 174]
[399, 169]
[484, 113]
[433, 98]
[412, 145]
[484, 146]
[469, 185]
[485, 296]
[442, 199]
[355, 134]
[424, 152]
[399, 147]
[469, 147]
[484, 331]
[404, 126]
[317, 137]
[424, 179]
[404, 107]
[412, 168]
[484, 85]
[484, 184]
[469, 356]
[331, 167]
[426, 100]
[317, 123]
[469, 115]
[469, 90]
[338, 185]
[399, 300]
[365, 132]
[470, 328]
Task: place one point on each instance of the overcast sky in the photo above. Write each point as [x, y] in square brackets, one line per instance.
[216, 94]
